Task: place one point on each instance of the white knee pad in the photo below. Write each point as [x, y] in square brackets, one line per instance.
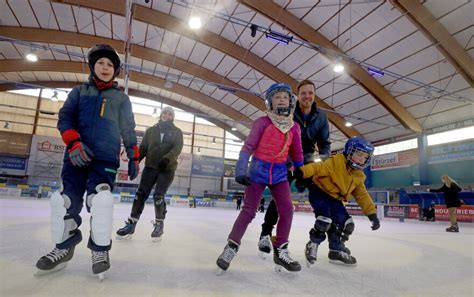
[102, 208]
[60, 227]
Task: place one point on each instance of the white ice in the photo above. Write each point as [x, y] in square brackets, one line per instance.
[400, 259]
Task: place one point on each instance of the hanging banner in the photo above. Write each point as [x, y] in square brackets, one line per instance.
[10, 165]
[229, 168]
[46, 157]
[14, 143]
[395, 160]
[207, 166]
[454, 151]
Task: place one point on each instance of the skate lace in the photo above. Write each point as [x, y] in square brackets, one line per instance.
[284, 255]
[99, 257]
[228, 254]
[345, 255]
[56, 254]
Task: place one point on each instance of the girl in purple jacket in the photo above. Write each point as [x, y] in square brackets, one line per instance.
[272, 138]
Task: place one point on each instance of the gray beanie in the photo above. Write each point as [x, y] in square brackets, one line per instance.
[168, 109]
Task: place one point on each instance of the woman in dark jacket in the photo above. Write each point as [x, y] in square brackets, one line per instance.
[450, 190]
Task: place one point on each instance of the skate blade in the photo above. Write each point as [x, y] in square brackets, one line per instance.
[282, 271]
[101, 276]
[309, 264]
[220, 271]
[59, 267]
[126, 237]
[262, 255]
[156, 239]
[337, 262]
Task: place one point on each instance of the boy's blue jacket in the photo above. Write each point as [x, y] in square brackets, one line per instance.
[100, 117]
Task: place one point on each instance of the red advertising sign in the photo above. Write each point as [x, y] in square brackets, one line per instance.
[303, 207]
[401, 211]
[464, 213]
[354, 210]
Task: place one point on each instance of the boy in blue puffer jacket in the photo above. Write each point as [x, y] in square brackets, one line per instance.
[91, 122]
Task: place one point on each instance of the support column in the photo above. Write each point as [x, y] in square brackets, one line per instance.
[422, 159]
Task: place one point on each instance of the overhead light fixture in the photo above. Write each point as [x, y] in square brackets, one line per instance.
[32, 57]
[194, 22]
[348, 124]
[7, 125]
[278, 37]
[213, 140]
[168, 84]
[55, 96]
[253, 30]
[233, 129]
[375, 72]
[155, 113]
[338, 67]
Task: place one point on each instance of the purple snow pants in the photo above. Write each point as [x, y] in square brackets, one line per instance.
[253, 193]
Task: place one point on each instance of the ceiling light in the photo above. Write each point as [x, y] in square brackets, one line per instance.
[428, 95]
[338, 67]
[253, 30]
[213, 140]
[194, 22]
[375, 72]
[32, 57]
[155, 113]
[55, 96]
[233, 129]
[348, 124]
[278, 37]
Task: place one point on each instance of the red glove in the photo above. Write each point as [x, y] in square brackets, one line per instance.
[79, 154]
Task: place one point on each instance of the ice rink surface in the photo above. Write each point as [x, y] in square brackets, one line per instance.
[400, 259]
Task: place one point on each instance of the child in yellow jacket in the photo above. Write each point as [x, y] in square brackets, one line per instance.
[336, 181]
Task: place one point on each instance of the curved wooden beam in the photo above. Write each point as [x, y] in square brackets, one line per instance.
[170, 23]
[79, 67]
[69, 84]
[421, 17]
[275, 13]
[138, 51]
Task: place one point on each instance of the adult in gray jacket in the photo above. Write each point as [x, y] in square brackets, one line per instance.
[161, 146]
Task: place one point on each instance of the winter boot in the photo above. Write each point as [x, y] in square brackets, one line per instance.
[264, 245]
[158, 226]
[128, 230]
[100, 262]
[311, 253]
[57, 259]
[282, 258]
[341, 257]
[453, 228]
[230, 250]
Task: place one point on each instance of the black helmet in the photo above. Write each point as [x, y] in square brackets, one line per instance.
[100, 51]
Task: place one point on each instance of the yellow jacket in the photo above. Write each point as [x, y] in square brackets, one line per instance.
[333, 177]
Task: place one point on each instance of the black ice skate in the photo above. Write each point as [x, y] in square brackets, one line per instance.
[100, 263]
[311, 253]
[282, 259]
[54, 261]
[264, 246]
[453, 228]
[230, 250]
[127, 231]
[341, 257]
[157, 230]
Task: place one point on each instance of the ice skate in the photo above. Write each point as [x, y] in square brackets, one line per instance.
[100, 263]
[158, 226]
[341, 257]
[54, 261]
[282, 259]
[311, 253]
[453, 228]
[223, 262]
[127, 231]
[264, 246]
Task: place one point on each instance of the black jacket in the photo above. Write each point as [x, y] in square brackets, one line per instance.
[450, 195]
[314, 132]
[155, 149]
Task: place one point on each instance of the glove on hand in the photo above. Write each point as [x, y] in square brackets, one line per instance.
[134, 163]
[79, 154]
[243, 180]
[163, 164]
[375, 221]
